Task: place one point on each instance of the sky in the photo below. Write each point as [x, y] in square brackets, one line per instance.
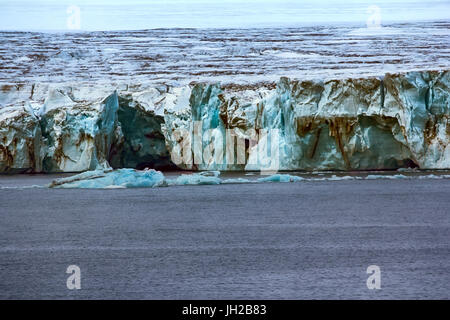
[66, 15]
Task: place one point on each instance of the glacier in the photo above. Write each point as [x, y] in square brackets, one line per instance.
[400, 120]
[77, 136]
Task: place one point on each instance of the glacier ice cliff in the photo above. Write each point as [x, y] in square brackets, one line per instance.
[77, 136]
[350, 124]
[397, 121]
[61, 135]
[20, 136]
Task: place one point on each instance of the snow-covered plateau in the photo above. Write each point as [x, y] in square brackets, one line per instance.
[396, 121]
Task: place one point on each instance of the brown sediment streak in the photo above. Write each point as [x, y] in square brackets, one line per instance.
[83, 136]
[236, 87]
[448, 127]
[305, 125]
[31, 155]
[7, 87]
[335, 132]
[58, 155]
[341, 127]
[223, 110]
[430, 132]
[7, 156]
[32, 91]
[316, 142]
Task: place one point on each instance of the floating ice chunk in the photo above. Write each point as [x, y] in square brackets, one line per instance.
[280, 178]
[115, 187]
[194, 179]
[34, 186]
[236, 180]
[379, 176]
[336, 178]
[430, 176]
[121, 178]
[82, 176]
[131, 178]
[210, 173]
[433, 176]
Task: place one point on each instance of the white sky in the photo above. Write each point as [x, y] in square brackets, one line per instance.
[141, 14]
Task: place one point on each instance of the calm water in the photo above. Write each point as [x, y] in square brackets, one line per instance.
[294, 240]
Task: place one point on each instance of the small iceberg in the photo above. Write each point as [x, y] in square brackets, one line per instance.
[210, 173]
[336, 178]
[380, 176]
[194, 179]
[280, 178]
[109, 179]
[131, 178]
[236, 180]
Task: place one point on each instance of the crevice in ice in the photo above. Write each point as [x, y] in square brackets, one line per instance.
[143, 144]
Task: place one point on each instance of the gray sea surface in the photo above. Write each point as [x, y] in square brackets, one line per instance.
[306, 240]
